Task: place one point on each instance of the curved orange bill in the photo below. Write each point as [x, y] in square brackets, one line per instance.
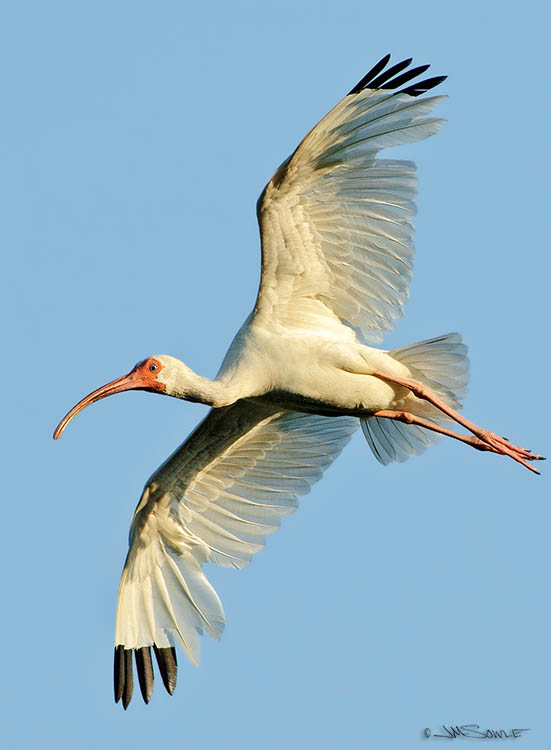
[135, 380]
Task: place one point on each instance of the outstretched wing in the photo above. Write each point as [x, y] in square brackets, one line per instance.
[335, 221]
[214, 500]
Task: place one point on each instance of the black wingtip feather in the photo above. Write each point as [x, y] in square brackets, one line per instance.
[128, 678]
[368, 77]
[144, 668]
[423, 86]
[168, 666]
[405, 77]
[393, 78]
[123, 671]
[118, 671]
[386, 75]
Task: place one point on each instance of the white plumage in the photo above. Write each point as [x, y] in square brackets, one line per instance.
[215, 500]
[337, 238]
[299, 377]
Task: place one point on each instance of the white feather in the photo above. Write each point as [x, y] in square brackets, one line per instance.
[216, 499]
[335, 221]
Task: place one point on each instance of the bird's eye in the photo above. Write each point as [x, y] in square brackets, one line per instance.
[152, 368]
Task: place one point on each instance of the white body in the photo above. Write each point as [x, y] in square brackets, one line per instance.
[317, 373]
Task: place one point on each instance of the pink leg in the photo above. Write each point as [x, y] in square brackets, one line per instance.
[407, 418]
[496, 443]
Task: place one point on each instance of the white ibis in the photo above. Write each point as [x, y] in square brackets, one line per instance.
[337, 251]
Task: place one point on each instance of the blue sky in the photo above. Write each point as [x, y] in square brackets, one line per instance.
[136, 138]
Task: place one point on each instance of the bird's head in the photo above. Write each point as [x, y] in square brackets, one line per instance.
[159, 374]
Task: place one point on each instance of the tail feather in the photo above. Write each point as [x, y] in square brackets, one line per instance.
[394, 441]
[441, 364]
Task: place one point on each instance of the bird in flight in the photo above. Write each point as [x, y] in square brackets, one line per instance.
[299, 377]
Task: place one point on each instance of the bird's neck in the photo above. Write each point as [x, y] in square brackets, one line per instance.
[196, 388]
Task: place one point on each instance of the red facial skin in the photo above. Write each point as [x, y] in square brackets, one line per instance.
[143, 377]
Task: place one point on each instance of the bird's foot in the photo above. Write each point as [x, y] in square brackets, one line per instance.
[501, 445]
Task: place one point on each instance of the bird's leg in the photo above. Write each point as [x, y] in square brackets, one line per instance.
[408, 418]
[475, 442]
[497, 444]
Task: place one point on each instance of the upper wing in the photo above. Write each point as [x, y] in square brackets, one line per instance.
[335, 221]
[214, 500]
